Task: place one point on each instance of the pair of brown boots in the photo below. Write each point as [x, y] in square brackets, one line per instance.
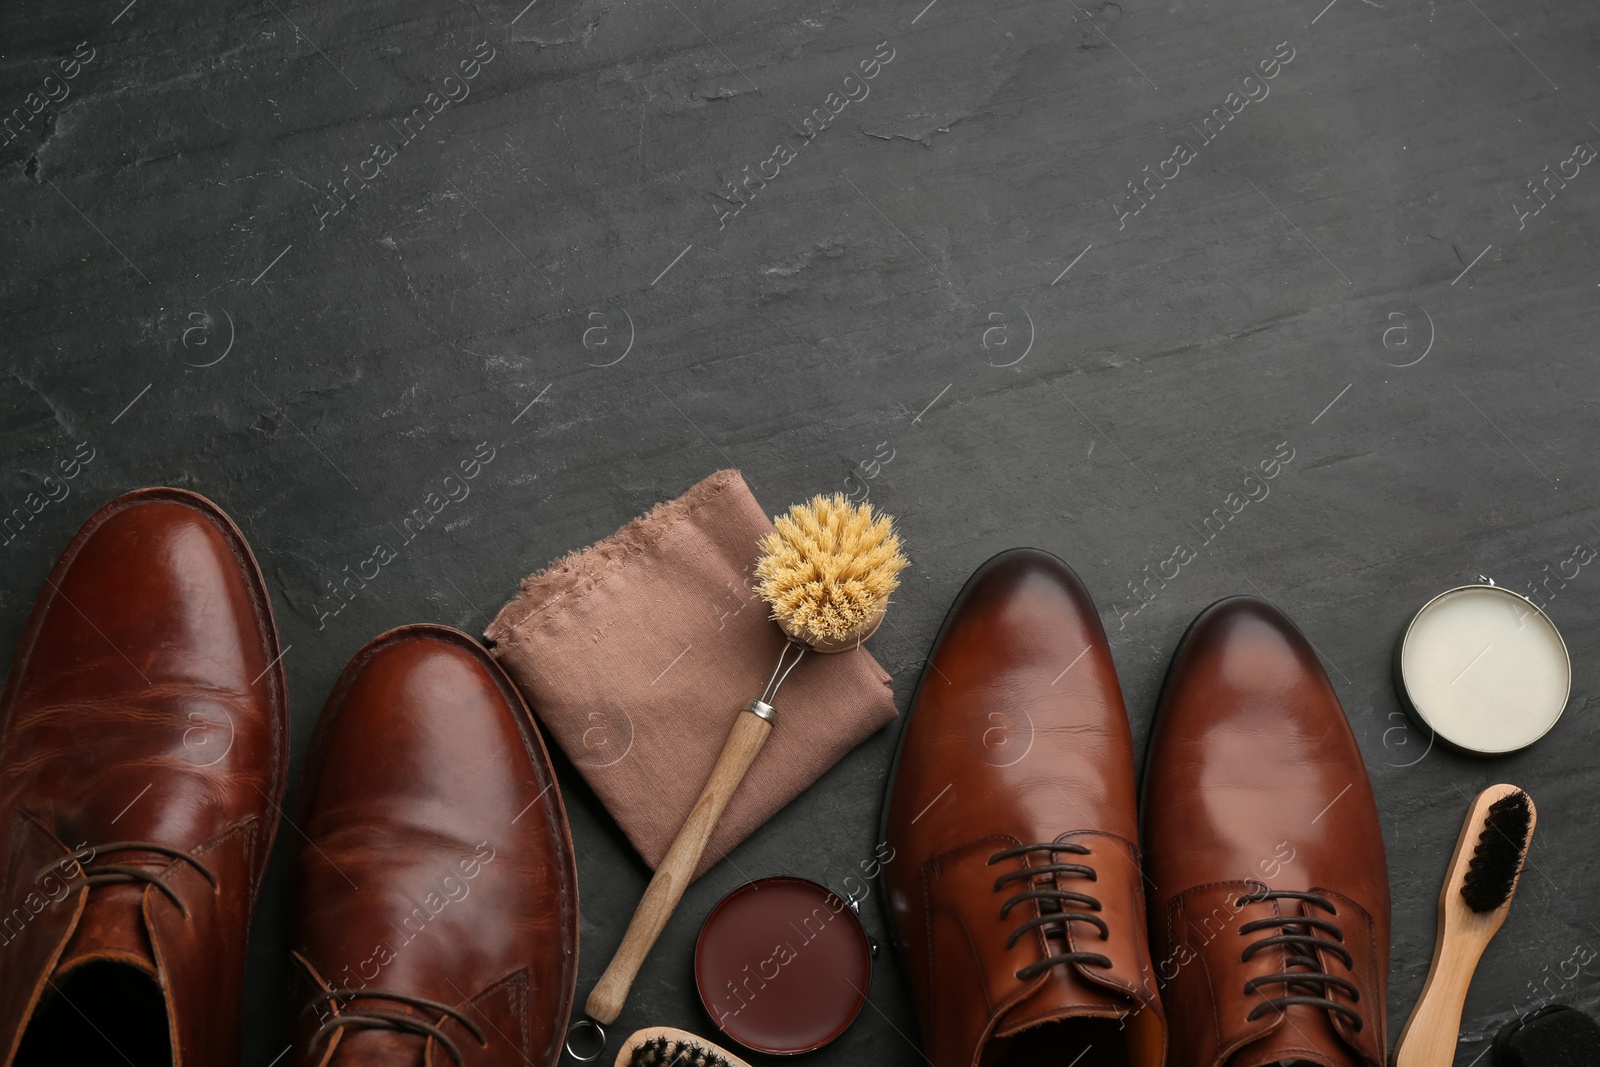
[1251, 929]
[144, 752]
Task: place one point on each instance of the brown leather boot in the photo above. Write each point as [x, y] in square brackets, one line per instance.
[435, 897]
[145, 743]
[1014, 880]
[1271, 923]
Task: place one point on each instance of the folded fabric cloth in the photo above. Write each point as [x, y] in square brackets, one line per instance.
[638, 652]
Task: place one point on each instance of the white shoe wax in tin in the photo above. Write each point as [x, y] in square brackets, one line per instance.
[1484, 668]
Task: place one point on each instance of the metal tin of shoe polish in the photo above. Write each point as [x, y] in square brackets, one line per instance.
[1483, 669]
[783, 964]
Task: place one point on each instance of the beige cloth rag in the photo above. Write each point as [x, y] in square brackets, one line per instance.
[638, 652]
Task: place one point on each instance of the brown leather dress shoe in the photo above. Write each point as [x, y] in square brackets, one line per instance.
[1014, 881]
[142, 761]
[1271, 923]
[435, 897]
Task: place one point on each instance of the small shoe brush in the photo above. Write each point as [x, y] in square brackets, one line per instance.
[1472, 906]
[664, 1046]
[826, 571]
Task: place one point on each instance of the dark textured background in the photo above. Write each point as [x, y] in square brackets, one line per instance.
[896, 292]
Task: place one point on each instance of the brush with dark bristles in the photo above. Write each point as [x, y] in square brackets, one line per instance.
[1472, 905]
[663, 1046]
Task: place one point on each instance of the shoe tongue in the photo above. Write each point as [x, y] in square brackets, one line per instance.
[1066, 994]
[1306, 1038]
[379, 1048]
[112, 927]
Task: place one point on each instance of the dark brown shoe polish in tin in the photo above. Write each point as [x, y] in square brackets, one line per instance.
[782, 965]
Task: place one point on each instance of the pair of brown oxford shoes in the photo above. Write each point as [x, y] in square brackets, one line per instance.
[1234, 915]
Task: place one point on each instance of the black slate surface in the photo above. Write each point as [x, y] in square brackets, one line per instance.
[944, 297]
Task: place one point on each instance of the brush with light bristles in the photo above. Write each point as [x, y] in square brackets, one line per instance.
[826, 571]
[1473, 904]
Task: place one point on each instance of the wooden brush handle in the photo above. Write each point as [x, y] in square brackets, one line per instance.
[1430, 1035]
[677, 868]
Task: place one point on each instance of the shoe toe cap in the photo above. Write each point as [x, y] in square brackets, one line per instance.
[1021, 598]
[157, 588]
[1251, 748]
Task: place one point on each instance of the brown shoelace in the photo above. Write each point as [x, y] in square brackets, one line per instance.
[1053, 917]
[97, 873]
[394, 1020]
[1312, 985]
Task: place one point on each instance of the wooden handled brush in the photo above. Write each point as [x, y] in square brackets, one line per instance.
[1472, 905]
[826, 572]
[665, 1046]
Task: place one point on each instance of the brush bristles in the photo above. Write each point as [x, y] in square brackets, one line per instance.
[669, 1052]
[829, 567]
[1497, 861]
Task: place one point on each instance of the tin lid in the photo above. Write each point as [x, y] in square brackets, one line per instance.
[782, 965]
[1484, 669]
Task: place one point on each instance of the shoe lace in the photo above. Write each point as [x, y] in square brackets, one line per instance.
[1311, 985]
[373, 1019]
[1053, 917]
[95, 872]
